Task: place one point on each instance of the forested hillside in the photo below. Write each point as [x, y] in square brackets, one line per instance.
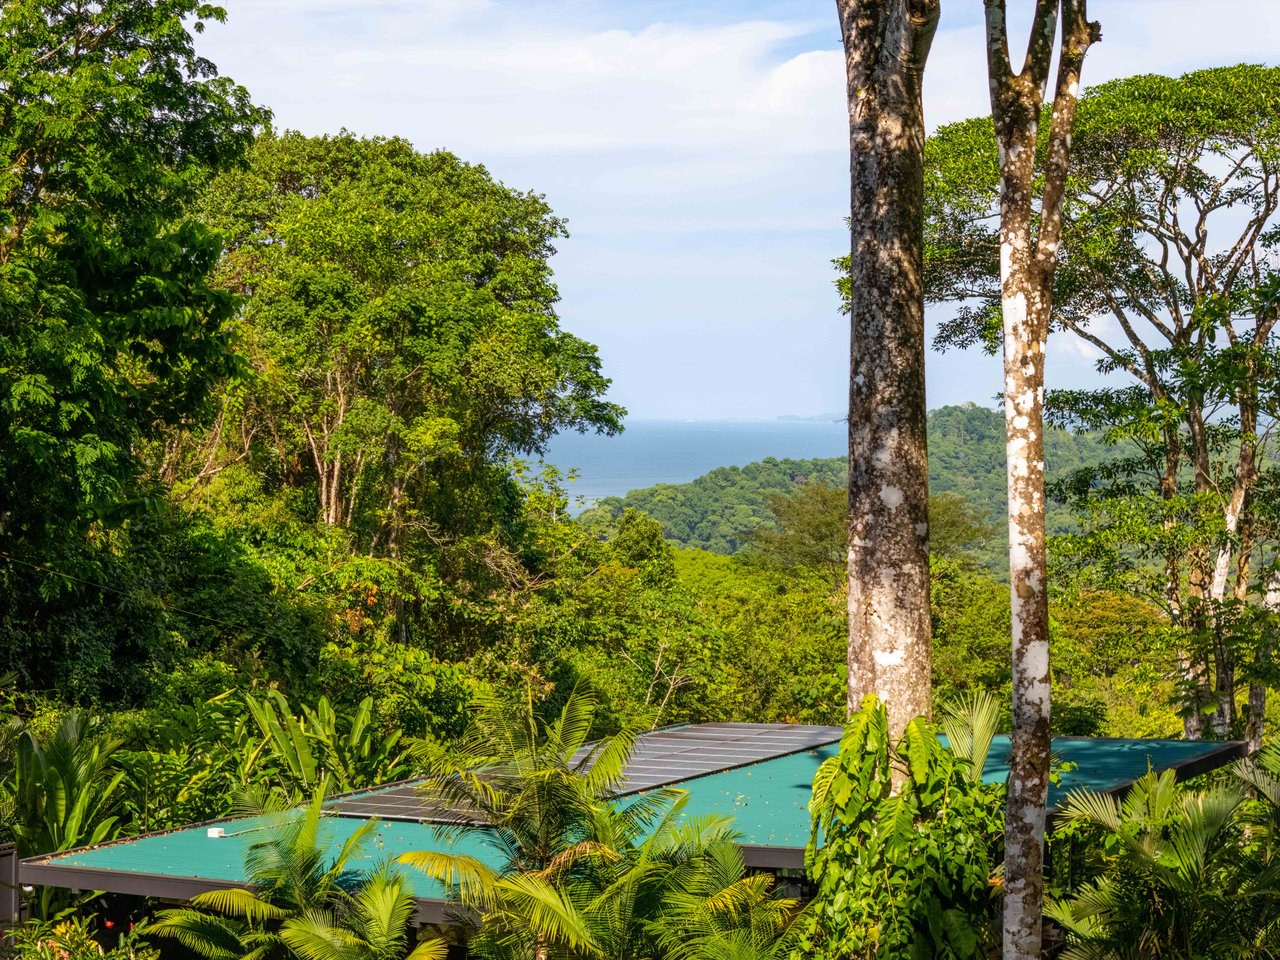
[718, 511]
[268, 532]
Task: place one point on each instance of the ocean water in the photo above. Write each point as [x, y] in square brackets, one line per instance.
[650, 452]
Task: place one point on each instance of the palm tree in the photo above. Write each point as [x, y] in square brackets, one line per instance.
[1260, 775]
[712, 909]
[300, 904]
[648, 861]
[537, 790]
[583, 875]
[1184, 884]
[534, 786]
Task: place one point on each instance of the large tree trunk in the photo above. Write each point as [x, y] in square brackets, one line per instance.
[1027, 262]
[886, 45]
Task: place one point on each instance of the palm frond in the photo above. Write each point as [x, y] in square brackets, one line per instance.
[214, 937]
[1099, 808]
[474, 878]
[544, 909]
[239, 903]
[970, 723]
[316, 937]
[434, 949]
[570, 857]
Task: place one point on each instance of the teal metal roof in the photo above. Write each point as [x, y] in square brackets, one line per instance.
[1103, 763]
[191, 852]
[767, 799]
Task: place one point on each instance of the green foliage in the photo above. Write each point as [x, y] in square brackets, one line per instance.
[1114, 656]
[956, 530]
[61, 793]
[402, 329]
[321, 752]
[664, 884]
[638, 543]
[72, 939]
[152, 596]
[1141, 147]
[717, 512]
[238, 744]
[412, 691]
[809, 529]
[718, 910]
[1166, 267]
[535, 783]
[110, 330]
[781, 646]
[264, 503]
[109, 327]
[1182, 875]
[905, 873]
[970, 619]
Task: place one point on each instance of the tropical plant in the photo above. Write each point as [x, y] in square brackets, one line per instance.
[321, 751]
[71, 939]
[10, 724]
[111, 122]
[655, 883]
[402, 324]
[162, 788]
[971, 722]
[1184, 879]
[61, 793]
[713, 909]
[1168, 238]
[535, 786]
[582, 875]
[299, 903]
[905, 871]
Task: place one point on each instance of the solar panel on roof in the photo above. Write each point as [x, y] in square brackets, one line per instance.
[660, 758]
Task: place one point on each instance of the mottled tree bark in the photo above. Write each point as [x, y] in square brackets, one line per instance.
[886, 44]
[1027, 263]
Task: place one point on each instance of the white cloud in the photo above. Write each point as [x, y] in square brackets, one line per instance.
[505, 84]
[700, 158]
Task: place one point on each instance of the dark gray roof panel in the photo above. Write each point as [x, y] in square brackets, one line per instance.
[660, 758]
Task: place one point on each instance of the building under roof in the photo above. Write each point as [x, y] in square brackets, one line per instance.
[760, 774]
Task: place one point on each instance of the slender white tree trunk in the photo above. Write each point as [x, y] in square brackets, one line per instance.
[1027, 260]
[890, 648]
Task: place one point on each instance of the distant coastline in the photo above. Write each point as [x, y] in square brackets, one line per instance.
[650, 452]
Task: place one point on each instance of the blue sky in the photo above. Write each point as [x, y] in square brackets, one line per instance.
[698, 149]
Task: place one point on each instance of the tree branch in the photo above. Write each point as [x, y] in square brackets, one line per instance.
[1040, 44]
[999, 69]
